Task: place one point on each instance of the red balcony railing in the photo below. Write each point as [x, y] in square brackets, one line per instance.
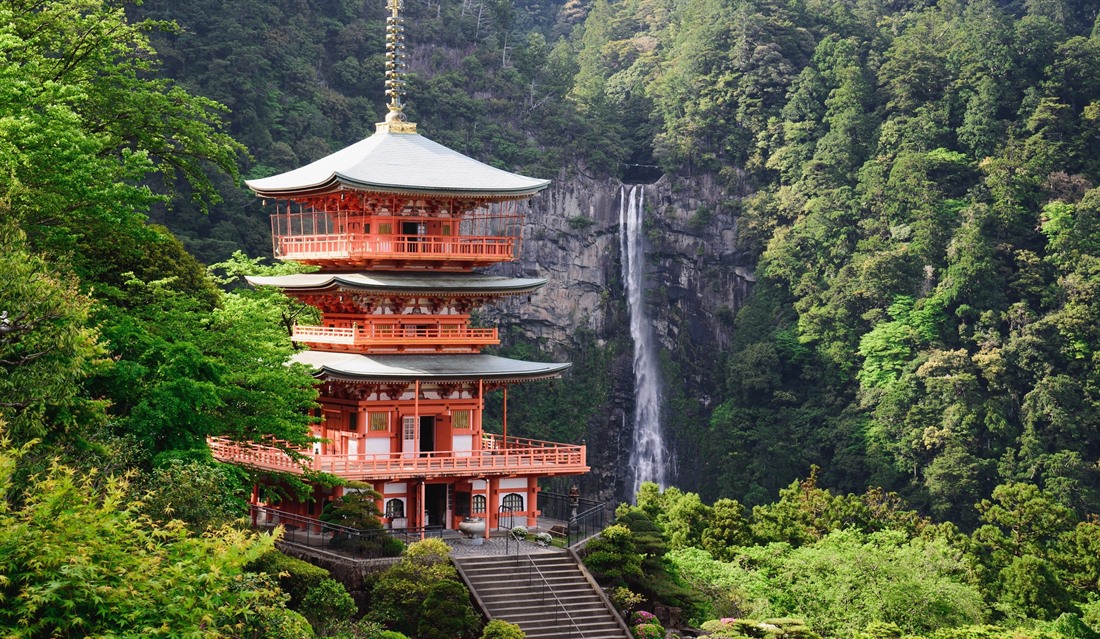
[398, 336]
[497, 457]
[480, 237]
[354, 247]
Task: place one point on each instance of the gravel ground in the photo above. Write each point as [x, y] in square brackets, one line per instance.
[498, 546]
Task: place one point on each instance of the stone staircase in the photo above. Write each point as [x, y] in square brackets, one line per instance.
[548, 595]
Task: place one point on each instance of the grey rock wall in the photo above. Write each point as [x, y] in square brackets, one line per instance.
[698, 275]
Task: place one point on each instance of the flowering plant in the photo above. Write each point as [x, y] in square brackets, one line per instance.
[519, 532]
[648, 631]
[544, 538]
[642, 616]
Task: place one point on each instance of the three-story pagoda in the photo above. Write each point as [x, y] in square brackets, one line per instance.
[397, 224]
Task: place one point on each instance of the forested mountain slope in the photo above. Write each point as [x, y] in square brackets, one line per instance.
[914, 184]
[916, 179]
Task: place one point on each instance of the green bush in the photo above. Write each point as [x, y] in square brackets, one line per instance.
[362, 629]
[398, 591]
[648, 631]
[446, 613]
[296, 577]
[500, 629]
[326, 603]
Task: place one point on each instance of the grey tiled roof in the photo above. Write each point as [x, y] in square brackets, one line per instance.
[355, 367]
[441, 283]
[399, 163]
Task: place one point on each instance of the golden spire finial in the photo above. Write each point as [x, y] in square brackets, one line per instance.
[395, 71]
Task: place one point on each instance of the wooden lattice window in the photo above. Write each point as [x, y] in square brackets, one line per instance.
[479, 503]
[460, 419]
[513, 502]
[395, 509]
[379, 421]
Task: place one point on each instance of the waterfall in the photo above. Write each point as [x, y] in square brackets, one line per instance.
[647, 454]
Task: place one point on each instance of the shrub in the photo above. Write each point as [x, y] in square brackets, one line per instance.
[580, 222]
[648, 631]
[519, 532]
[544, 538]
[326, 603]
[612, 556]
[398, 592]
[500, 629]
[296, 577]
[362, 629]
[446, 613]
[625, 599]
[643, 616]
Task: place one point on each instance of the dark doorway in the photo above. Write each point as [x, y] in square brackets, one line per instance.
[427, 434]
[409, 230]
[435, 504]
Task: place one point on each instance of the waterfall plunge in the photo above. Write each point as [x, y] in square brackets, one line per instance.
[647, 455]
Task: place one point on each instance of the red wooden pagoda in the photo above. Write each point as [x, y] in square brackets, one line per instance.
[397, 224]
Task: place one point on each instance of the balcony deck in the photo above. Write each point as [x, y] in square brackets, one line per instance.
[396, 337]
[359, 248]
[497, 457]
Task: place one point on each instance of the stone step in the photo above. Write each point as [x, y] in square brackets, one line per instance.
[533, 589]
[548, 596]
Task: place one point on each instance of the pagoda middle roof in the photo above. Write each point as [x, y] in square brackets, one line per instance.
[399, 163]
[421, 283]
[387, 368]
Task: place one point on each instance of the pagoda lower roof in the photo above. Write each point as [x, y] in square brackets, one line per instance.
[435, 284]
[399, 163]
[354, 367]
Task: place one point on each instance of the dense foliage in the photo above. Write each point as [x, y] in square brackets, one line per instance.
[919, 180]
[854, 565]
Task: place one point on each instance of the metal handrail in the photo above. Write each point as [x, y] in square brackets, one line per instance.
[343, 539]
[546, 588]
[588, 524]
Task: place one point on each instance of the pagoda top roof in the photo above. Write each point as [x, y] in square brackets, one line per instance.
[386, 368]
[420, 283]
[404, 163]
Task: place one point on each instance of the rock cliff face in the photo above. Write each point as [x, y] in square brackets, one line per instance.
[697, 276]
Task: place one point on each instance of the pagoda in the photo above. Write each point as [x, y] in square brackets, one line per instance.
[397, 225]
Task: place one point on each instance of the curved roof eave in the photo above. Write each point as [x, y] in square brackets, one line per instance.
[442, 368]
[393, 283]
[398, 163]
[335, 184]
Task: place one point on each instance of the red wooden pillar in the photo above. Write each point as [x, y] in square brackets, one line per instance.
[532, 502]
[488, 494]
[493, 514]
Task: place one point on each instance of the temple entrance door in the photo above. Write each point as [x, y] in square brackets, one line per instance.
[427, 434]
[409, 230]
[435, 504]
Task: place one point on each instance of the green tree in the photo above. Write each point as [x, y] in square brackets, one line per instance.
[47, 349]
[78, 557]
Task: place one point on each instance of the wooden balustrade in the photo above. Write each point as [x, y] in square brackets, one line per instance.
[352, 246]
[497, 457]
[397, 335]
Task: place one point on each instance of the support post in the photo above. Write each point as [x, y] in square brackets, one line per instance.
[488, 511]
[423, 511]
[504, 437]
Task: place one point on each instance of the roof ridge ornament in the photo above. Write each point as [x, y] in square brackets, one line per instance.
[396, 68]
